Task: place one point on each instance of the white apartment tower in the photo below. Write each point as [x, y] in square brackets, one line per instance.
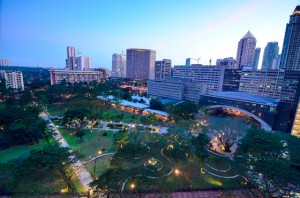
[14, 79]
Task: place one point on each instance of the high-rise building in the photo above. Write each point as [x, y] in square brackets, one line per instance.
[163, 69]
[276, 62]
[228, 63]
[296, 124]
[290, 56]
[78, 63]
[71, 52]
[140, 63]
[4, 62]
[245, 51]
[256, 58]
[13, 79]
[118, 65]
[270, 55]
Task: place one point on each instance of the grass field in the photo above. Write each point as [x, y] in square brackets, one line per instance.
[19, 151]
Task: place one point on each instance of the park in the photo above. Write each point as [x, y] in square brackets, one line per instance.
[125, 153]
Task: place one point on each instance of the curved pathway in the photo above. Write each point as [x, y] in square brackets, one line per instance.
[98, 156]
[83, 175]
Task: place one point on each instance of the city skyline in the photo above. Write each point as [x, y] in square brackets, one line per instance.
[37, 33]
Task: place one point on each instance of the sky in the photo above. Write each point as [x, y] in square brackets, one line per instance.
[37, 32]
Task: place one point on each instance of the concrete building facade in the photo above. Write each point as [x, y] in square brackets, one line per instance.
[140, 63]
[266, 83]
[228, 63]
[211, 77]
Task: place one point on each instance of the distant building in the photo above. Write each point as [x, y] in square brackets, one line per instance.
[256, 58]
[211, 77]
[163, 69]
[118, 65]
[290, 58]
[140, 63]
[73, 76]
[78, 63]
[246, 50]
[262, 82]
[296, 124]
[4, 62]
[13, 79]
[270, 55]
[231, 80]
[191, 61]
[228, 63]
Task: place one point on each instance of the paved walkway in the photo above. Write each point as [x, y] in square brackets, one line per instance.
[215, 147]
[98, 156]
[83, 175]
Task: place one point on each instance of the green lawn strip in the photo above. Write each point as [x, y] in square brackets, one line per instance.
[102, 165]
[19, 151]
[2, 106]
[89, 147]
[56, 109]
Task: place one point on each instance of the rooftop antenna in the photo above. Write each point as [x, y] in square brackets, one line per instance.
[78, 53]
[210, 61]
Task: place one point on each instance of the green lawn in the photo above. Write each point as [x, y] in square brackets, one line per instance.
[2, 106]
[102, 165]
[19, 151]
[56, 110]
[89, 147]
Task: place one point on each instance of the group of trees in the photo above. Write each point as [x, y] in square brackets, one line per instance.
[272, 161]
[182, 111]
[20, 125]
[39, 171]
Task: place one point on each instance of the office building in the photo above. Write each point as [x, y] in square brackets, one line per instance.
[13, 79]
[266, 83]
[211, 77]
[140, 63]
[231, 80]
[256, 58]
[290, 58]
[163, 69]
[71, 52]
[191, 61]
[4, 62]
[118, 65]
[270, 55]
[246, 50]
[73, 76]
[228, 63]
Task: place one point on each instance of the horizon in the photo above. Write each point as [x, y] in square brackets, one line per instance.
[37, 33]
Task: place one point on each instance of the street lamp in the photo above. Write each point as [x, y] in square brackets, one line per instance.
[132, 186]
[177, 171]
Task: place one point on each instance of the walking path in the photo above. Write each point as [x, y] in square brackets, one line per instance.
[83, 175]
[99, 156]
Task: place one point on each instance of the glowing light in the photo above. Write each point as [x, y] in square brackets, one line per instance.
[132, 185]
[177, 171]
[100, 152]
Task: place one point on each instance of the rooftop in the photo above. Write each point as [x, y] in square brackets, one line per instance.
[163, 113]
[245, 97]
[248, 35]
[297, 10]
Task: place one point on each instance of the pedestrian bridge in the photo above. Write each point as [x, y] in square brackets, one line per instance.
[263, 124]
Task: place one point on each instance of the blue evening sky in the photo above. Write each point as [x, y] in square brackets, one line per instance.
[37, 32]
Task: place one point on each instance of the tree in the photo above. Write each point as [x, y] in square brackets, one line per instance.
[185, 110]
[80, 133]
[226, 132]
[156, 104]
[78, 115]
